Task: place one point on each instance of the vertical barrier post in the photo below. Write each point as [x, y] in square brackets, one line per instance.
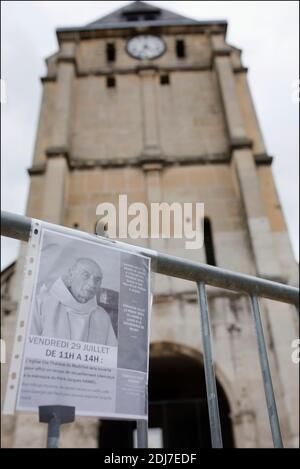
[142, 433]
[55, 416]
[265, 369]
[210, 379]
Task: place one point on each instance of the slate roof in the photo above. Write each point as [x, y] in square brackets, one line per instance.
[139, 14]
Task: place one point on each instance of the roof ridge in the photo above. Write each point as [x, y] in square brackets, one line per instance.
[137, 8]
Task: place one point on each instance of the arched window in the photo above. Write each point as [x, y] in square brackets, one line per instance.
[110, 52]
[110, 82]
[209, 243]
[165, 79]
[180, 48]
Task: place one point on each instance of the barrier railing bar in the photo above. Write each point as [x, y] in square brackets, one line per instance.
[210, 379]
[18, 227]
[267, 380]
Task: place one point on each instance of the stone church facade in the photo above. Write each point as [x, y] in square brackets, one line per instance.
[180, 127]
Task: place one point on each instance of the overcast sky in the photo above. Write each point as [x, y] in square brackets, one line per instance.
[267, 32]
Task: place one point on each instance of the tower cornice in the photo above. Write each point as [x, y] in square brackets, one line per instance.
[129, 29]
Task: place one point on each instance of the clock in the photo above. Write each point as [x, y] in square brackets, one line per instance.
[145, 47]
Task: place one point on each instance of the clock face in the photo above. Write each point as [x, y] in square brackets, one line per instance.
[146, 47]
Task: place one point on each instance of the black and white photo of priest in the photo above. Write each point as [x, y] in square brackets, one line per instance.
[68, 308]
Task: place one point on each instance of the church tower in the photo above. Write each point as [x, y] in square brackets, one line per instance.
[154, 105]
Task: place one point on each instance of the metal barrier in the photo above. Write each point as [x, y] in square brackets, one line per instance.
[19, 227]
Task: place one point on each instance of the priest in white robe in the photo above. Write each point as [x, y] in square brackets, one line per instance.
[69, 309]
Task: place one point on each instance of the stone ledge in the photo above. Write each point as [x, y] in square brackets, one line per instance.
[128, 29]
[140, 69]
[58, 152]
[130, 70]
[240, 69]
[240, 143]
[263, 159]
[66, 59]
[152, 166]
[141, 161]
[221, 52]
[37, 169]
[50, 78]
[53, 152]
[79, 163]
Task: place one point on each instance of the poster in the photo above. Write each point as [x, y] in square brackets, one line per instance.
[87, 328]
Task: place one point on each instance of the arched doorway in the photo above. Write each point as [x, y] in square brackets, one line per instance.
[177, 399]
[178, 412]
